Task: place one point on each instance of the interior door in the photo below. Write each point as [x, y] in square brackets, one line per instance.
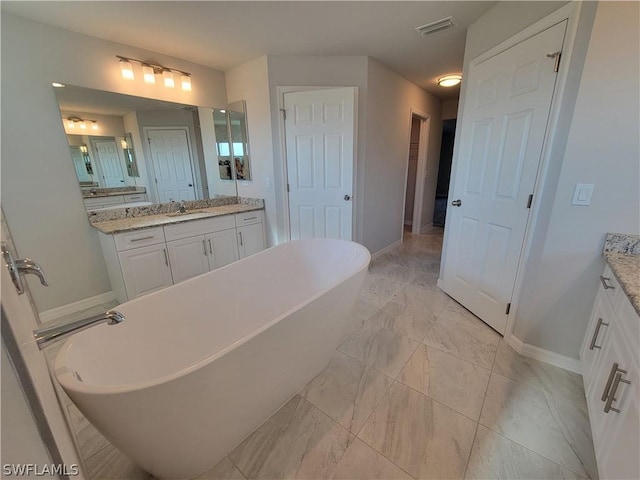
[502, 132]
[319, 130]
[109, 161]
[172, 164]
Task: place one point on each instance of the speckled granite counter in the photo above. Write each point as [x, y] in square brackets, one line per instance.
[138, 218]
[109, 192]
[622, 253]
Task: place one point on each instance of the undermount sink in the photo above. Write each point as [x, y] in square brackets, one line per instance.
[191, 214]
[178, 214]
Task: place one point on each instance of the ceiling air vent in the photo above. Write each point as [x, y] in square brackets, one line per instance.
[437, 26]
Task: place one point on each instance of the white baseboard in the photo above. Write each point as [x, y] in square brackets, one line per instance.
[75, 307]
[426, 228]
[386, 250]
[546, 356]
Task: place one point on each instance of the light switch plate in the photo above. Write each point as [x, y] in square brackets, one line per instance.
[582, 194]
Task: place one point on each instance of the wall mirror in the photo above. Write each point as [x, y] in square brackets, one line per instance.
[170, 150]
[232, 143]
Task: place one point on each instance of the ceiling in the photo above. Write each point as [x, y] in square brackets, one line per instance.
[222, 35]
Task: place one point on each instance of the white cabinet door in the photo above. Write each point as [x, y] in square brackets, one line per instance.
[250, 239]
[223, 248]
[188, 257]
[616, 433]
[145, 270]
[597, 336]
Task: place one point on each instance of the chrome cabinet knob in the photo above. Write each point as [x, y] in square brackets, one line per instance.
[456, 203]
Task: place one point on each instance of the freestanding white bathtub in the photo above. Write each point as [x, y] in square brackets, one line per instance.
[197, 367]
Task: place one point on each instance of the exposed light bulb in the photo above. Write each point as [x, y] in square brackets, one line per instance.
[169, 82]
[148, 74]
[186, 82]
[126, 69]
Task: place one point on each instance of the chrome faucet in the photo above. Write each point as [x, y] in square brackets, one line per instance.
[44, 336]
[20, 267]
[26, 265]
[182, 208]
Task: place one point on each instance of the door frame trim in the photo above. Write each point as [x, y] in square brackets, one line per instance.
[284, 173]
[197, 182]
[571, 13]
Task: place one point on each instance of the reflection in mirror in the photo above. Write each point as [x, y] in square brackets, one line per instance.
[163, 149]
[232, 143]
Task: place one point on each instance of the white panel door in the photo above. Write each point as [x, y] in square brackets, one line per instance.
[109, 161]
[223, 248]
[506, 109]
[172, 164]
[188, 257]
[319, 129]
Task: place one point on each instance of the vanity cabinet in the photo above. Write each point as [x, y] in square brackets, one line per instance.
[611, 373]
[200, 246]
[143, 261]
[137, 262]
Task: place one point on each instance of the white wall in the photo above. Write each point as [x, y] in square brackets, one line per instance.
[40, 194]
[602, 148]
[390, 101]
[250, 82]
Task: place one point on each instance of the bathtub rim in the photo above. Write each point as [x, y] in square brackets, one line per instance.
[68, 380]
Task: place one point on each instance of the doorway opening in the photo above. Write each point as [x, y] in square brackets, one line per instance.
[413, 221]
[444, 172]
[410, 195]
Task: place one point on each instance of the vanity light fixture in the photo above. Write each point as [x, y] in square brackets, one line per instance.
[81, 123]
[150, 70]
[449, 80]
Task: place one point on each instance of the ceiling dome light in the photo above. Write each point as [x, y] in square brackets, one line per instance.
[58, 84]
[449, 80]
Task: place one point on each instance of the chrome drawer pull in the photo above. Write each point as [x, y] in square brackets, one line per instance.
[210, 249]
[166, 259]
[614, 389]
[241, 243]
[141, 238]
[204, 248]
[249, 218]
[604, 281]
[614, 369]
[595, 334]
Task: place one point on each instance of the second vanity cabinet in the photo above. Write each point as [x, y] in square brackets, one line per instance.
[611, 373]
[143, 261]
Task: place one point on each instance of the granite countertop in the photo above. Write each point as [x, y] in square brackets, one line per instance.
[622, 253]
[110, 192]
[150, 221]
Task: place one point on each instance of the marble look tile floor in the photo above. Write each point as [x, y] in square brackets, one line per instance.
[421, 389]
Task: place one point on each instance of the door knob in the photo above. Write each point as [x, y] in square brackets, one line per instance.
[347, 198]
[191, 184]
[456, 203]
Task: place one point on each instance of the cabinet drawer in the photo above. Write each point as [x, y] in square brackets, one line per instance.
[198, 227]
[612, 291]
[138, 197]
[247, 218]
[139, 238]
